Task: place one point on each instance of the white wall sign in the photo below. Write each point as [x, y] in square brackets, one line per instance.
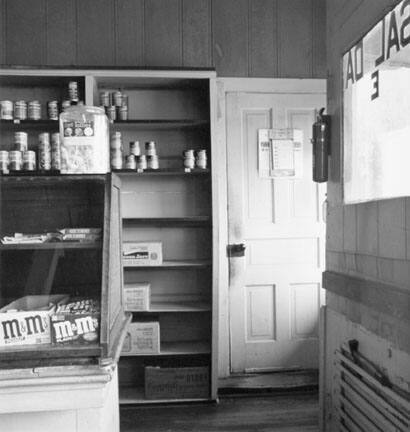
[376, 111]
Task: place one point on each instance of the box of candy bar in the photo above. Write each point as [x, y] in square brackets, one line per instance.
[26, 321]
[76, 323]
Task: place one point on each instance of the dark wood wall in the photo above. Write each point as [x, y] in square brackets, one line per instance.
[255, 38]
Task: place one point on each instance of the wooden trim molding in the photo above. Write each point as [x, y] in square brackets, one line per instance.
[384, 298]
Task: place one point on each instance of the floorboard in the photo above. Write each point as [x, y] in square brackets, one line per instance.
[291, 412]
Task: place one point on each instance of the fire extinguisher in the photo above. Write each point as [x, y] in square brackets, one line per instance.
[321, 147]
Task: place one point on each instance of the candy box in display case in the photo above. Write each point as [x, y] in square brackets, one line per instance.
[76, 323]
[136, 297]
[145, 253]
[142, 338]
[26, 321]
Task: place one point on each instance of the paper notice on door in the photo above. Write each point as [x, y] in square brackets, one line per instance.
[264, 152]
[280, 153]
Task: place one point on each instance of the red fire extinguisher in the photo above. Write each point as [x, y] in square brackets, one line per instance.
[321, 147]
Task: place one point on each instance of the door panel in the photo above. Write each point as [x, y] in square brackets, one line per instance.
[275, 289]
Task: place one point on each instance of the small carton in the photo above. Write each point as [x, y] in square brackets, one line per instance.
[142, 339]
[26, 321]
[136, 297]
[142, 253]
[177, 383]
[76, 323]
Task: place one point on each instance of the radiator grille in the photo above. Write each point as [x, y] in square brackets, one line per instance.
[364, 404]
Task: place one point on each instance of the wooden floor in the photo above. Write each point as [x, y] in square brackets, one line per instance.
[288, 412]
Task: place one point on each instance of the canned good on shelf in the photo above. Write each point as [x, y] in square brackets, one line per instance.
[135, 148]
[189, 162]
[44, 152]
[116, 141]
[150, 149]
[105, 98]
[152, 162]
[111, 113]
[130, 162]
[4, 162]
[141, 162]
[56, 152]
[52, 110]
[116, 159]
[20, 141]
[6, 110]
[123, 113]
[117, 98]
[34, 110]
[20, 110]
[73, 91]
[29, 160]
[15, 160]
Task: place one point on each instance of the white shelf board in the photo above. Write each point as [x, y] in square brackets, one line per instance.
[136, 395]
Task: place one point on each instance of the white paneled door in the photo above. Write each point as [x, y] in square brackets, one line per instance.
[275, 288]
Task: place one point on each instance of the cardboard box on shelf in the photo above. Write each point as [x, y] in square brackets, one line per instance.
[26, 321]
[136, 296]
[142, 253]
[142, 339]
[177, 383]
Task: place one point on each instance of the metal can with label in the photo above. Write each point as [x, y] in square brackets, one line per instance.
[150, 149]
[130, 162]
[20, 141]
[117, 98]
[73, 91]
[152, 162]
[105, 98]
[34, 110]
[116, 159]
[141, 162]
[20, 110]
[4, 162]
[44, 152]
[123, 113]
[201, 159]
[52, 110]
[135, 148]
[56, 152]
[15, 160]
[29, 160]
[111, 113]
[6, 110]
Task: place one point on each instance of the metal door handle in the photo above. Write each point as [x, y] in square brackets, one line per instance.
[236, 250]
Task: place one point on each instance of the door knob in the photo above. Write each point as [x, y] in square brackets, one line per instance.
[236, 250]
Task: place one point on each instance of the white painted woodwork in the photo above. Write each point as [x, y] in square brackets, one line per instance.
[65, 399]
[275, 290]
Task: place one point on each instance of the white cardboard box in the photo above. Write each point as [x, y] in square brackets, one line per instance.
[142, 338]
[136, 296]
[142, 253]
[26, 321]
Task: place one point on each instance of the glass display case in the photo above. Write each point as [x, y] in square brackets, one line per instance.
[60, 271]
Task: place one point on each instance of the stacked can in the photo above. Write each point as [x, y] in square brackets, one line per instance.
[52, 110]
[115, 104]
[135, 148]
[189, 159]
[130, 162]
[201, 159]
[20, 110]
[44, 152]
[152, 158]
[56, 152]
[73, 91]
[29, 160]
[6, 110]
[34, 110]
[4, 162]
[141, 162]
[116, 150]
[20, 141]
[15, 160]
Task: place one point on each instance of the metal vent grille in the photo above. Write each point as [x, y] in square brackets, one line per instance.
[364, 404]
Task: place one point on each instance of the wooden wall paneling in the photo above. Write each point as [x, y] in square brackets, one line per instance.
[319, 38]
[263, 44]
[95, 33]
[367, 231]
[295, 38]
[230, 37]
[334, 231]
[349, 228]
[391, 227]
[196, 33]
[61, 32]
[407, 228]
[129, 22]
[26, 32]
[3, 42]
[163, 30]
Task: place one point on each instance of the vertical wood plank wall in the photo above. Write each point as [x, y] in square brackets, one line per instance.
[368, 240]
[245, 38]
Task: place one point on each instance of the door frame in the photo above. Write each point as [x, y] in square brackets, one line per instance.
[250, 85]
